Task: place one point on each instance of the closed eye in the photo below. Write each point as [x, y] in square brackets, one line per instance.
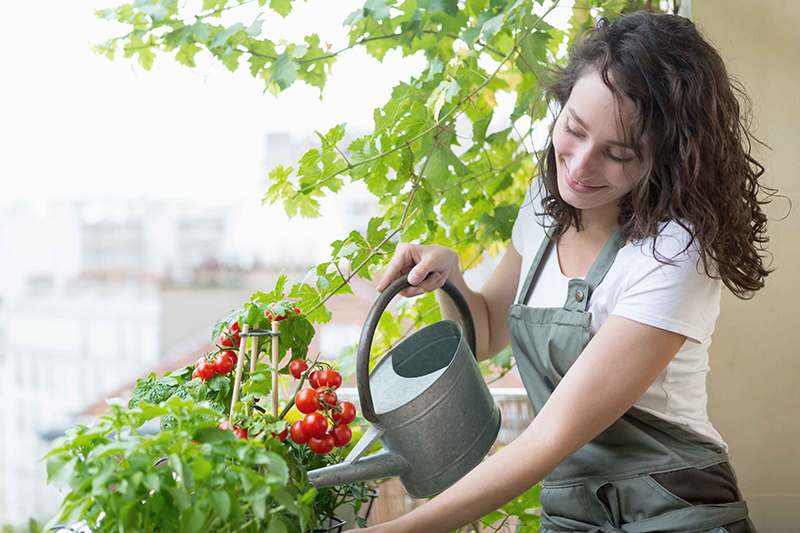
[617, 159]
[581, 135]
[573, 132]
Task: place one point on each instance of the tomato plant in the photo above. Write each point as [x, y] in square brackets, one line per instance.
[193, 405]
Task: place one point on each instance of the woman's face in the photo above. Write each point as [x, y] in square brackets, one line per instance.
[596, 164]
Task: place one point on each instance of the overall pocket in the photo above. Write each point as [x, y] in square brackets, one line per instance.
[571, 502]
[635, 499]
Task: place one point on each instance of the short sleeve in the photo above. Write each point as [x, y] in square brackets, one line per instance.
[527, 226]
[678, 297]
[516, 235]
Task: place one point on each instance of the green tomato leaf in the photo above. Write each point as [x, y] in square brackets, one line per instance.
[259, 508]
[192, 520]
[307, 298]
[221, 503]
[60, 469]
[213, 435]
[277, 525]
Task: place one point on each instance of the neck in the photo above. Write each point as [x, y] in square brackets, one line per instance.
[600, 221]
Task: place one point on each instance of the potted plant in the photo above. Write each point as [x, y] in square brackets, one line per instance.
[213, 446]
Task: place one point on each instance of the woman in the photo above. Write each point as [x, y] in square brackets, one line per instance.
[648, 202]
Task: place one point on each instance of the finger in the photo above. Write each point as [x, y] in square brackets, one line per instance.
[412, 292]
[432, 282]
[397, 268]
[419, 273]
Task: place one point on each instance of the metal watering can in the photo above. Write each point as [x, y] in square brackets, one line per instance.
[427, 402]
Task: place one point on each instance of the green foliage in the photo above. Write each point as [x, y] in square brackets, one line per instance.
[195, 476]
[444, 164]
[210, 481]
[153, 389]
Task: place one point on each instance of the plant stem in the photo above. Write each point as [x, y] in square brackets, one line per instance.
[414, 187]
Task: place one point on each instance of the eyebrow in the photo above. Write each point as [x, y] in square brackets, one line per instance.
[584, 126]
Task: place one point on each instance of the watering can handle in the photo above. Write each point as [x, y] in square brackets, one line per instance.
[371, 324]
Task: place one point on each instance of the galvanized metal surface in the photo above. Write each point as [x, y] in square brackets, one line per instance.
[431, 407]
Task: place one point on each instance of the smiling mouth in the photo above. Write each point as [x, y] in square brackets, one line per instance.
[576, 185]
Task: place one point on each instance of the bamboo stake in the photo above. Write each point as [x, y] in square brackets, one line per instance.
[275, 362]
[254, 353]
[237, 383]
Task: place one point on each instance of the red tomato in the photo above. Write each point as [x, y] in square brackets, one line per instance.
[203, 370]
[341, 435]
[315, 425]
[297, 367]
[241, 433]
[306, 400]
[225, 341]
[296, 310]
[333, 379]
[345, 414]
[321, 445]
[269, 316]
[326, 398]
[297, 433]
[235, 333]
[232, 355]
[322, 377]
[313, 378]
[223, 363]
[282, 435]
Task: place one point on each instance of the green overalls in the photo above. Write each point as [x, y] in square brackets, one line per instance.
[618, 481]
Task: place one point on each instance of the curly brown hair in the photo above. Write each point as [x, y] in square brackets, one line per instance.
[698, 169]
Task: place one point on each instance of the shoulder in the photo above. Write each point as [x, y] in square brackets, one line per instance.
[673, 245]
[662, 283]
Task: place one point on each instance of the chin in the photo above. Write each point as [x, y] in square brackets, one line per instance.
[572, 198]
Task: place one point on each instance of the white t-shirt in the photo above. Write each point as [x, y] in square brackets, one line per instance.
[679, 298]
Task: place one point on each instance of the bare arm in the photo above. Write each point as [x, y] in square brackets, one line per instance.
[612, 372]
[490, 305]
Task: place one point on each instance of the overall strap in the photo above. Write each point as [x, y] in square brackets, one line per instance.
[580, 290]
[536, 266]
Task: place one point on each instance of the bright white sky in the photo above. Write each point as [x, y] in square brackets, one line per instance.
[74, 124]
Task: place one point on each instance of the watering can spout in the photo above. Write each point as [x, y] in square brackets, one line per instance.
[380, 465]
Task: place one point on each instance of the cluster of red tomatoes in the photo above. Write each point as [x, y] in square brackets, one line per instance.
[241, 433]
[326, 420]
[278, 318]
[224, 360]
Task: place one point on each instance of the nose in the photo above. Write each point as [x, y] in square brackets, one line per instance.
[582, 161]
